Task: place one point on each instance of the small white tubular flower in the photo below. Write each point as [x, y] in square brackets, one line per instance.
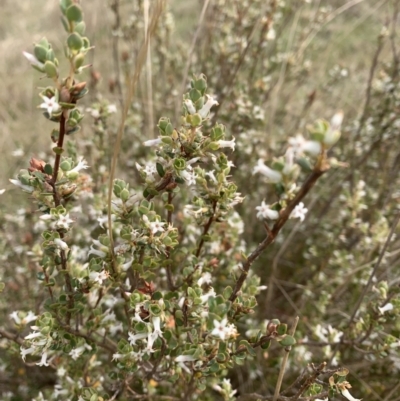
[93, 112]
[117, 357]
[15, 317]
[190, 106]
[132, 338]
[312, 147]
[112, 108]
[337, 120]
[26, 351]
[50, 104]
[227, 144]
[157, 326]
[386, 308]
[26, 188]
[18, 152]
[155, 226]
[82, 165]
[30, 317]
[43, 361]
[347, 394]
[189, 176]
[221, 329]
[204, 279]
[152, 337]
[33, 335]
[207, 107]
[272, 175]
[265, 212]
[102, 252]
[99, 277]
[225, 389]
[152, 142]
[33, 60]
[299, 212]
[75, 353]
[181, 359]
[322, 399]
[271, 35]
[212, 176]
[332, 135]
[126, 266]
[61, 244]
[185, 358]
[289, 161]
[64, 222]
[2, 191]
[301, 145]
[204, 298]
[192, 161]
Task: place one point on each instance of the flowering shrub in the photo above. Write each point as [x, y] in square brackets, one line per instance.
[148, 288]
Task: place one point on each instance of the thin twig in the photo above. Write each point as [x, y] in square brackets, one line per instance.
[189, 59]
[284, 361]
[255, 396]
[381, 255]
[284, 216]
[206, 229]
[46, 278]
[276, 259]
[57, 202]
[149, 83]
[249, 40]
[171, 284]
[132, 83]
[369, 88]
[393, 391]
[10, 336]
[115, 48]
[367, 286]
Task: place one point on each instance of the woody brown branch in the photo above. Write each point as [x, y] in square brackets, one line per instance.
[319, 170]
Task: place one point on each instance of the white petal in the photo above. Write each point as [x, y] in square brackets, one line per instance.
[33, 60]
[347, 394]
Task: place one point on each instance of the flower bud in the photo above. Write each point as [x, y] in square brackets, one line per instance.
[78, 88]
[36, 165]
[68, 190]
[331, 137]
[65, 96]
[272, 325]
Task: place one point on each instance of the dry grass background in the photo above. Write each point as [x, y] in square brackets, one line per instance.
[349, 42]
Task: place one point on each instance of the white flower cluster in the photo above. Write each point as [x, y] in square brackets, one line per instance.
[39, 344]
[154, 332]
